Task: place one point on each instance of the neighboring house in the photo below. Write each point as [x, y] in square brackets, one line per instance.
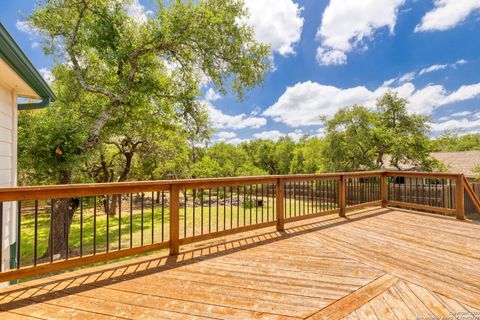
[458, 162]
[462, 162]
[18, 79]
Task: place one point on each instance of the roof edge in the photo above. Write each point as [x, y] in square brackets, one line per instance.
[13, 55]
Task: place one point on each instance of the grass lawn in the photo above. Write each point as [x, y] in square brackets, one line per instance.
[194, 220]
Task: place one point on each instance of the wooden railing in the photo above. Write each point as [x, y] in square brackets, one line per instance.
[53, 228]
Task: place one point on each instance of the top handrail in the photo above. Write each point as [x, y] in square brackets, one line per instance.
[94, 189]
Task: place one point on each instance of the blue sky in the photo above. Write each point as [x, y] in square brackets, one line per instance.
[333, 53]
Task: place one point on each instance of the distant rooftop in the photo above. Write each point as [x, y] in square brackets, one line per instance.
[462, 162]
[458, 162]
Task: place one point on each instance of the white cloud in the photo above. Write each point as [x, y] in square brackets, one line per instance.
[346, 24]
[467, 125]
[461, 114]
[26, 27]
[138, 12]
[447, 14]
[461, 61]
[296, 135]
[211, 95]
[305, 103]
[47, 75]
[330, 57]
[407, 77]
[221, 120]
[32, 32]
[275, 135]
[276, 22]
[433, 68]
[225, 135]
[228, 137]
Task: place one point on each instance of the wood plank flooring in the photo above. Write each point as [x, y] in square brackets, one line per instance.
[374, 264]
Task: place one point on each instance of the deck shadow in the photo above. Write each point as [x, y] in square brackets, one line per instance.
[43, 290]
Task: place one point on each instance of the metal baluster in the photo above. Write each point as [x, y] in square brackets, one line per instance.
[81, 227]
[108, 224]
[194, 196]
[35, 235]
[163, 215]
[201, 210]
[224, 208]
[153, 217]
[120, 222]
[131, 220]
[94, 225]
[19, 234]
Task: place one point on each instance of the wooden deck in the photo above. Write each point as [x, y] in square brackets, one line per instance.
[374, 264]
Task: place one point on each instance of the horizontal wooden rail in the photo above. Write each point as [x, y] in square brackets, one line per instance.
[421, 207]
[285, 198]
[44, 268]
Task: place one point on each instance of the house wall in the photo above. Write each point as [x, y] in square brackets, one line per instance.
[8, 167]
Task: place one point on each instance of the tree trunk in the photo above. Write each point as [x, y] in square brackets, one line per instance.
[61, 219]
[112, 207]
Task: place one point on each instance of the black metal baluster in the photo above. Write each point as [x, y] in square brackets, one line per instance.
[231, 207]
[251, 204]
[256, 204]
[263, 203]
[163, 215]
[201, 210]
[291, 193]
[238, 206]
[142, 209]
[185, 215]
[65, 231]
[107, 215]
[244, 206]
[52, 205]
[194, 196]
[268, 203]
[209, 210]
[94, 225]
[19, 233]
[224, 208]
[119, 222]
[218, 208]
[81, 226]
[131, 220]
[153, 217]
[35, 235]
[294, 199]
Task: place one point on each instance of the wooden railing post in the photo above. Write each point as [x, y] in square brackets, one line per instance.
[279, 204]
[174, 220]
[384, 189]
[342, 196]
[459, 197]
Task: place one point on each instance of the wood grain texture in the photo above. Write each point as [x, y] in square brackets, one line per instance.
[374, 264]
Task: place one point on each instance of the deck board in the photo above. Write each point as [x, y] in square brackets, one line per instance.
[374, 264]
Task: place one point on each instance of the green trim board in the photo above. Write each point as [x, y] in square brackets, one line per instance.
[11, 53]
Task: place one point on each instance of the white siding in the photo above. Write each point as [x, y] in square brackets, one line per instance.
[8, 167]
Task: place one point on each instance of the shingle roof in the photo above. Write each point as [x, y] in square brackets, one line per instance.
[462, 162]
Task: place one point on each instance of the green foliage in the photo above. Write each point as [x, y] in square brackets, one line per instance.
[127, 89]
[225, 160]
[454, 141]
[358, 138]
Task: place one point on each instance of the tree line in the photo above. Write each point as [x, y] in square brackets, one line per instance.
[128, 104]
